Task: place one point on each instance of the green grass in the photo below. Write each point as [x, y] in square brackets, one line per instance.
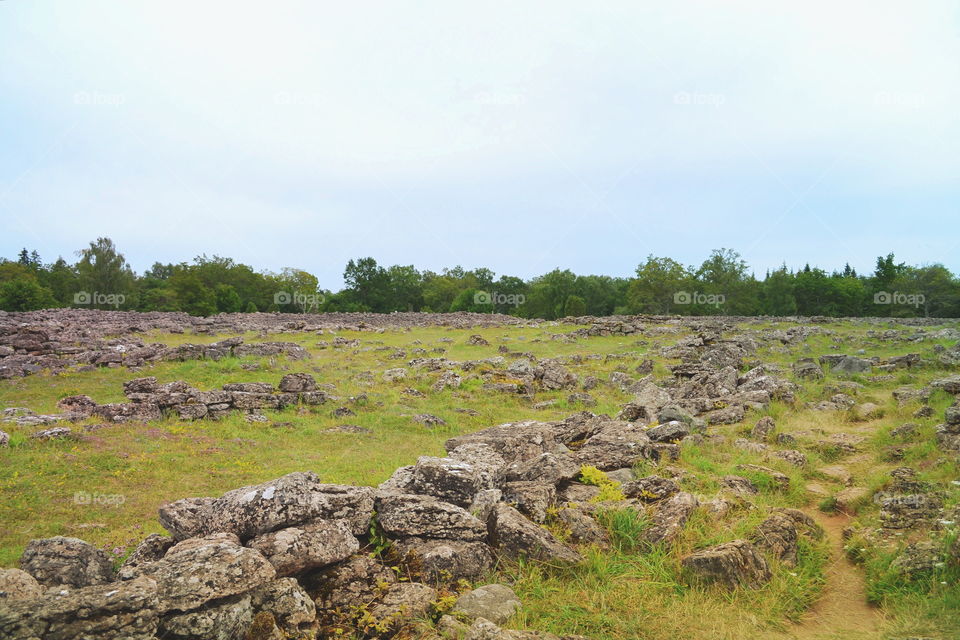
[626, 591]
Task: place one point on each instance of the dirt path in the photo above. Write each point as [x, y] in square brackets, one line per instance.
[842, 611]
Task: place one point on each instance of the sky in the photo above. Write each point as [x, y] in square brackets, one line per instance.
[518, 136]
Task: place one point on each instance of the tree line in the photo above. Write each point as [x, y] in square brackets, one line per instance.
[722, 284]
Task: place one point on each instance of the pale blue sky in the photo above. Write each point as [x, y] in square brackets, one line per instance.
[519, 136]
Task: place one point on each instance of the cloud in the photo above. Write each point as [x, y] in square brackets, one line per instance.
[502, 135]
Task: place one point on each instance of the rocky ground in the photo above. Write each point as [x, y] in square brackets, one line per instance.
[469, 476]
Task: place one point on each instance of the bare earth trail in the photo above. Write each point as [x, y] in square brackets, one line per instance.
[842, 611]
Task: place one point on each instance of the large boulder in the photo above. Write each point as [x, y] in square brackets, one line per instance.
[616, 444]
[446, 560]
[808, 369]
[730, 565]
[66, 561]
[189, 579]
[293, 499]
[115, 611]
[548, 469]
[307, 546]
[513, 441]
[450, 480]
[918, 558]
[514, 536]
[950, 384]
[415, 516]
[647, 402]
[225, 619]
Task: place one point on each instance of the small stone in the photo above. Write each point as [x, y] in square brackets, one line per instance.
[495, 602]
[732, 564]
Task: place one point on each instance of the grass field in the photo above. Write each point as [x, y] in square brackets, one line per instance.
[129, 470]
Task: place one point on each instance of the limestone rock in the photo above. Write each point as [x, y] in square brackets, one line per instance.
[297, 382]
[670, 517]
[288, 501]
[66, 561]
[288, 602]
[731, 564]
[187, 518]
[450, 480]
[513, 536]
[669, 432]
[650, 488]
[778, 535]
[447, 560]
[115, 611]
[225, 619]
[547, 468]
[189, 579]
[403, 600]
[18, 585]
[307, 546]
[494, 602]
[150, 549]
[407, 515]
[617, 444]
[342, 586]
[763, 429]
